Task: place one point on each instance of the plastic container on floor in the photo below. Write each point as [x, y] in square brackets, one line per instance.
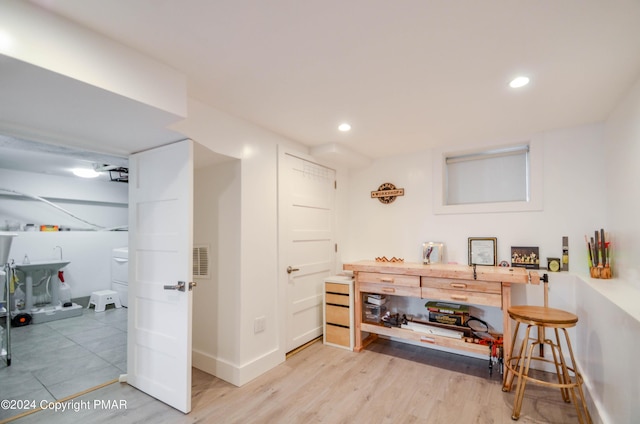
[64, 293]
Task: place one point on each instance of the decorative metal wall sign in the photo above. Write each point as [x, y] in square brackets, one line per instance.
[387, 193]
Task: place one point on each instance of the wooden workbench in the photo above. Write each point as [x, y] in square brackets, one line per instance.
[480, 285]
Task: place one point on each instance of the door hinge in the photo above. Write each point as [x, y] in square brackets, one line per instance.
[335, 246]
[335, 184]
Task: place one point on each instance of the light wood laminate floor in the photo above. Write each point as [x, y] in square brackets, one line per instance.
[389, 382]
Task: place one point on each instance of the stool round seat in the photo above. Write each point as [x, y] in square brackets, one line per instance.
[543, 316]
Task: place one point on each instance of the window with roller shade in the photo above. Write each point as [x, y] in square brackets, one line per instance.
[498, 175]
[495, 179]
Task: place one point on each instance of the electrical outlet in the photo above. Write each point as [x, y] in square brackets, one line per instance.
[259, 324]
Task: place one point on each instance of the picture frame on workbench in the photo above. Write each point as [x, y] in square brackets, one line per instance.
[525, 257]
[483, 251]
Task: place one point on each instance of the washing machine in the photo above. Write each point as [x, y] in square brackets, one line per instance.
[120, 273]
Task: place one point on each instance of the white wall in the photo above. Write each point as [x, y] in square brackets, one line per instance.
[608, 344]
[622, 191]
[399, 229]
[216, 303]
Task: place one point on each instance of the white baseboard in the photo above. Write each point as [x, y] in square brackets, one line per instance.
[232, 373]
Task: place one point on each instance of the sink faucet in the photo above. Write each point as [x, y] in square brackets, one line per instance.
[58, 247]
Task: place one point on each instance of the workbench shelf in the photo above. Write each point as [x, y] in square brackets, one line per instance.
[427, 339]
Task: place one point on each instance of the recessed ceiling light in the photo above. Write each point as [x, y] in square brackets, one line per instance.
[519, 82]
[85, 173]
[344, 127]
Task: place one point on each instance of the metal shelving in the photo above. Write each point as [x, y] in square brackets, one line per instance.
[5, 318]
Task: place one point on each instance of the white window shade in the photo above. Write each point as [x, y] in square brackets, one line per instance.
[488, 177]
[505, 178]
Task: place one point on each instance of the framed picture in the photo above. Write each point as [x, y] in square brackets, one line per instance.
[525, 257]
[432, 253]
[482, 251]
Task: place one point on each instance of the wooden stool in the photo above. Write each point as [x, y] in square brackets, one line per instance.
[518, 364]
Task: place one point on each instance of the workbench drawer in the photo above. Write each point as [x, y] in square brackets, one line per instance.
[337, 299]
[337, 315]
[389, 279]
[476, 298]
[337, 335]
[390, 289]
[336, 288]
[466, 285]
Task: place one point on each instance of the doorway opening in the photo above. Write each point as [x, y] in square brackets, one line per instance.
[83, 337]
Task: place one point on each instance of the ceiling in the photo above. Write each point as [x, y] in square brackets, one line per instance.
[406, 75]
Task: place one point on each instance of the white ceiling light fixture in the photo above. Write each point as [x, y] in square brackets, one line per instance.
[85, 173]
[519, 82]
[344, 127]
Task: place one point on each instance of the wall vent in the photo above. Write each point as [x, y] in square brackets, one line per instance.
[201, 261]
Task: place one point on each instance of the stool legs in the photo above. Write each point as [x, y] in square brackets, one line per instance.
[509, 373]
[559, 362]
[522, 381]
[520, 362]
[578, 383]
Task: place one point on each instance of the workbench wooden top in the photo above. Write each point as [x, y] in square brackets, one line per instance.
[463, 272]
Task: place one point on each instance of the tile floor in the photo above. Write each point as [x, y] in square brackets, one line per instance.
[60, 358]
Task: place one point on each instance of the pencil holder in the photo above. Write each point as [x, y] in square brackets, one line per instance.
[603, 273]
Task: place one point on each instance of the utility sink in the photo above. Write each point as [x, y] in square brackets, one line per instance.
[40, 265]
[29, 270]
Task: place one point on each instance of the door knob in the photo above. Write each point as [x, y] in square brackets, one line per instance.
[290, 270]
[180, 286]
[192, 285]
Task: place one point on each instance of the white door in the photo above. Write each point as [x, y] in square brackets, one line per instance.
[306, 219]
[160, 244]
